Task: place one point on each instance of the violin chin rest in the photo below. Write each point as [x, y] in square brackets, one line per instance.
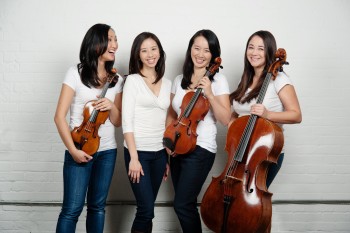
[168, 143]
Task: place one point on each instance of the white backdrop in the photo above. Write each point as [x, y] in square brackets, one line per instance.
[40, 39]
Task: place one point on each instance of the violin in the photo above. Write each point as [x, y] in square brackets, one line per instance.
[238, 201]
[85, 136]
[180, 136]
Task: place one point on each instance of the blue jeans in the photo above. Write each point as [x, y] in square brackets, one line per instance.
[92, 180]
[189, 173]
[273, 170]
[153, 165]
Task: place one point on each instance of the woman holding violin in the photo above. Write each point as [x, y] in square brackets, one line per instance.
[146, 98]
[89, 175]
[190, 170]
[280, 104]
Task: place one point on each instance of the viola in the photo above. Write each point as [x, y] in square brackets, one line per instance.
[180, 136]
[238, 200]
[85, 136]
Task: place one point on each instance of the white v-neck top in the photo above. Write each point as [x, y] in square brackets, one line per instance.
[144, 113]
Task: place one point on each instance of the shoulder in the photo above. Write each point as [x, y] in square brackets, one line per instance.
[281, 80]
[220, 81]
[132, 78]
[178, 79]
[72, 77]
[166, 81]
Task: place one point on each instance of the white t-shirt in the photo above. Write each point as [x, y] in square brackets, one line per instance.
[271, 100]
[144, 113]
[206, 129]
[82, 95]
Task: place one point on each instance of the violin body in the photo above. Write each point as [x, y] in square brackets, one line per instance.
[180, 136]
[86, 136]
[239, 197]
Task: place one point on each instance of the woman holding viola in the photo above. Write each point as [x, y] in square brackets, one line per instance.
[189, 171]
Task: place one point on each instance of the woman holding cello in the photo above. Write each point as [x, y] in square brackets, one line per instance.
[89, 175]
[238, 200]
[190, 170]
[280, 104]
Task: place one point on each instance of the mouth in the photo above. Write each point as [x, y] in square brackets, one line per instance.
[151, 60]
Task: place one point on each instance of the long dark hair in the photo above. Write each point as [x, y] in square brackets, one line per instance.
[94, 44]
[248, 72]
[135, 63]
[214, 47]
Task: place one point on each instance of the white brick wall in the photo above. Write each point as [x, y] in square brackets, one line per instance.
[40, 39]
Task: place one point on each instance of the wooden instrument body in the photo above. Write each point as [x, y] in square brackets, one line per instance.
[180, 136]
[250, 207]
[85, 136]
[182, 131]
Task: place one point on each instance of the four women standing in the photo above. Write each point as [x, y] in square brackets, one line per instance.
[149, 103]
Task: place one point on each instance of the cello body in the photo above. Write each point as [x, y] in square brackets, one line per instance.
[238, 200]
[239, 197]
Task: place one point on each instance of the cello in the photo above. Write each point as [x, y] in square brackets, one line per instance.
[180, 136]
[85, 136]
[238, 200]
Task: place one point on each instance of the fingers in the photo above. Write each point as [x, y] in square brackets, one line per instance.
[134, 176]
[103, 104]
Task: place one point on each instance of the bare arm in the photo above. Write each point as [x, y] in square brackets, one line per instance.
[291, 113]
[171, 115]
[63, 105]
[220, 104]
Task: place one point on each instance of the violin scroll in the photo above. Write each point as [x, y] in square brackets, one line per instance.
[281, 57]
[214, 67]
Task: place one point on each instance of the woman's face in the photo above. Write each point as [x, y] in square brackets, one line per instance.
[112, 47]
[256, 52]
[149, 53]
[200, 53]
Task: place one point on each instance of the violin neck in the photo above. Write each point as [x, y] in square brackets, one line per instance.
[192, 102]
[95, 112]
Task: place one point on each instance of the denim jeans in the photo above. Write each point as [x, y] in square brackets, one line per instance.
[273, 170]
[92, 180]
[189, 173]
[153, 165]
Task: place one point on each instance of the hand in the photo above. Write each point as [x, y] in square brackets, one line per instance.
[205, 84]
[169, 152]
[166, 173]
[80, 156]
[135, 170]
[103, 104]
[259, 110]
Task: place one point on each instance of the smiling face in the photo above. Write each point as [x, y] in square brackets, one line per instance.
[112, 47]
[149, 53]
[200, 52]
[256, 52]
